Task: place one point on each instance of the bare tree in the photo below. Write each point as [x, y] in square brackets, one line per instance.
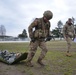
[60, 24]
[2, 30]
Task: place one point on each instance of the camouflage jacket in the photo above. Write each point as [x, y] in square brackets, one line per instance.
[68, 30]
[39, 29]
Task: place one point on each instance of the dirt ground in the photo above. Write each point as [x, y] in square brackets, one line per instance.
[22, 69]
[9, 69]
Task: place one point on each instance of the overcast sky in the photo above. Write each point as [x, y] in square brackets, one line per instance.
[17, 15]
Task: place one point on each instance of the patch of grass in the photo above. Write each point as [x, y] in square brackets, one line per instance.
[14, 47]
[57, 63]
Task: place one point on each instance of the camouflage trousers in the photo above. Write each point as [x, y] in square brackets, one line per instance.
[33, 49]
[69, 43]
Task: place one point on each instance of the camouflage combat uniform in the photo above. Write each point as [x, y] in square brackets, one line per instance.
[68, 33]
[38, 34]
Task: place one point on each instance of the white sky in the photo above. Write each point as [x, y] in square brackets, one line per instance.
[17, 15]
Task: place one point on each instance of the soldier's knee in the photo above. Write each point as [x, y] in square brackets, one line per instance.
[69, 45]
[32, 54]
[33, 48]
[45, 49]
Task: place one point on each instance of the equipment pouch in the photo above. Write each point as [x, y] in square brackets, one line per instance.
[38, 33]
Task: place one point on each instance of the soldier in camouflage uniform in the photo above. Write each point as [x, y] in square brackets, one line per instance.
[38, 34]
[68, 33]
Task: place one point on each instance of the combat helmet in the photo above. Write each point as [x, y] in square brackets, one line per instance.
[48, 14]
[70, 21]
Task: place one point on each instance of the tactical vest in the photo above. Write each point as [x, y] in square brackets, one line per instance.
[69, 30]
[41, 29]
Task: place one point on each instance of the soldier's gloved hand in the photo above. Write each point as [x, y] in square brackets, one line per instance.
[32, 40]
[48, 38]
[74, 37]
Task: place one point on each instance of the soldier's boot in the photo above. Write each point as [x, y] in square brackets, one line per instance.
[29, 64]
[68, 54]
[29, 59]
[39, 61]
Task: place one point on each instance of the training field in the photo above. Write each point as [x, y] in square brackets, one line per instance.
[57, 63]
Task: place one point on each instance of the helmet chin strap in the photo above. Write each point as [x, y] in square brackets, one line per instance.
[45, 19]
[70, 23]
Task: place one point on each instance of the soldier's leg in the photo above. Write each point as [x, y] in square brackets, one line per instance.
[69, 43]
[31, 53]
[42, 45]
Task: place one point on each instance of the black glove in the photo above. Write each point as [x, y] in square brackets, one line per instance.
[73, 37]
[32, 40]
[48, 38]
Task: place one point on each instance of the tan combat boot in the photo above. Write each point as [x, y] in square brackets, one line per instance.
[40, 62]
[29, 64]
[68, 54]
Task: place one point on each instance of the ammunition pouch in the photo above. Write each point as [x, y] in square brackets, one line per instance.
[39, 39]
[38, 33]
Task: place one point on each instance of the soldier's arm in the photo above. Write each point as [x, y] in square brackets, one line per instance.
[74, 34]
[30, 28]
[49, 32]
[48, 38]
[64, 31]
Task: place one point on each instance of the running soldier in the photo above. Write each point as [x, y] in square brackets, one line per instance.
[38, 31]
[68, 33]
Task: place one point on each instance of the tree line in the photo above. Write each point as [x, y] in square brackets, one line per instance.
[23, 35]
[57, 32]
